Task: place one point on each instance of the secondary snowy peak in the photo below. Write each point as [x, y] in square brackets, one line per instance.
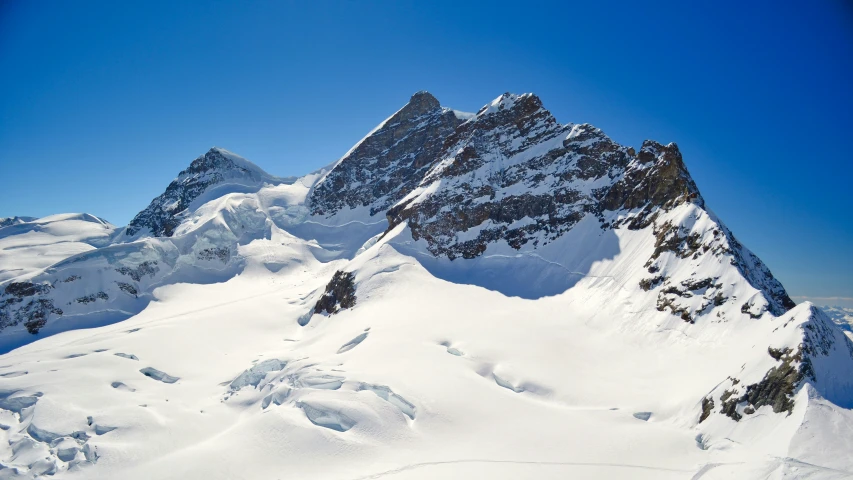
[29, 244]
[388, 163]
[213, 174]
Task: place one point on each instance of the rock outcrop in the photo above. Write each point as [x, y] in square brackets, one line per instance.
[339, 294]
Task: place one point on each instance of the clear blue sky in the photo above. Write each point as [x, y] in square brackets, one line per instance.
[103, 103]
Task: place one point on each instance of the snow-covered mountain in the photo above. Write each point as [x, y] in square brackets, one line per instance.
[209, 176]
[460, 295]
[30, 244]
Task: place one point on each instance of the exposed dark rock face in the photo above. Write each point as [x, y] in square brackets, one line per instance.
[657, 178]
[759, 276]
[219, 253]
[728, 405]
[23, 303]
[164, 213]
[649, 283]
[388, 164]
[496, 177]
[127, 288]
[781, 382]
[136, 273]
[26, 289]
[750, 309]
[707, 408]
[721, 244]
[92, 298]
[668, 297]
[339, 294]
[7, 221]
[776, 389]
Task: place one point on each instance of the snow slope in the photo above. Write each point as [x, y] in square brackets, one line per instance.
[524, 300]
[30, 244]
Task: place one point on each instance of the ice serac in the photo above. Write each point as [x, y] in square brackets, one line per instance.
[388, 163]
[213, 174]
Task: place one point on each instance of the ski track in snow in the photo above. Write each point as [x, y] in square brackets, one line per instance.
[415, 466]
[800, 463]
[160, 319]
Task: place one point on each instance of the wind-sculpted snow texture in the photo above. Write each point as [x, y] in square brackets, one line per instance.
[488, 295]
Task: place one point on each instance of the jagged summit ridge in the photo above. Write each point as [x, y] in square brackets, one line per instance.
[512, 175]
[387, 164]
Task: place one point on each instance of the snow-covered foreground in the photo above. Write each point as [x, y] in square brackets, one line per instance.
[531, 301]
[448, 380]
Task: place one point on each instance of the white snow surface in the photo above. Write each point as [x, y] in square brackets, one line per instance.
[30, 246]
[543, 388]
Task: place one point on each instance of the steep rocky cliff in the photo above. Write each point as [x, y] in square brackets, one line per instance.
[390, 161]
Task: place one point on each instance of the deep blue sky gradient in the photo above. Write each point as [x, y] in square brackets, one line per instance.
[103, 103]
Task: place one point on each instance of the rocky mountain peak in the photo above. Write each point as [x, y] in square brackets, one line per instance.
[657, 178]
[220, 159]
[388, 163]
[217, 166]
[512, 109]
[421, 103]
[509, 101]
